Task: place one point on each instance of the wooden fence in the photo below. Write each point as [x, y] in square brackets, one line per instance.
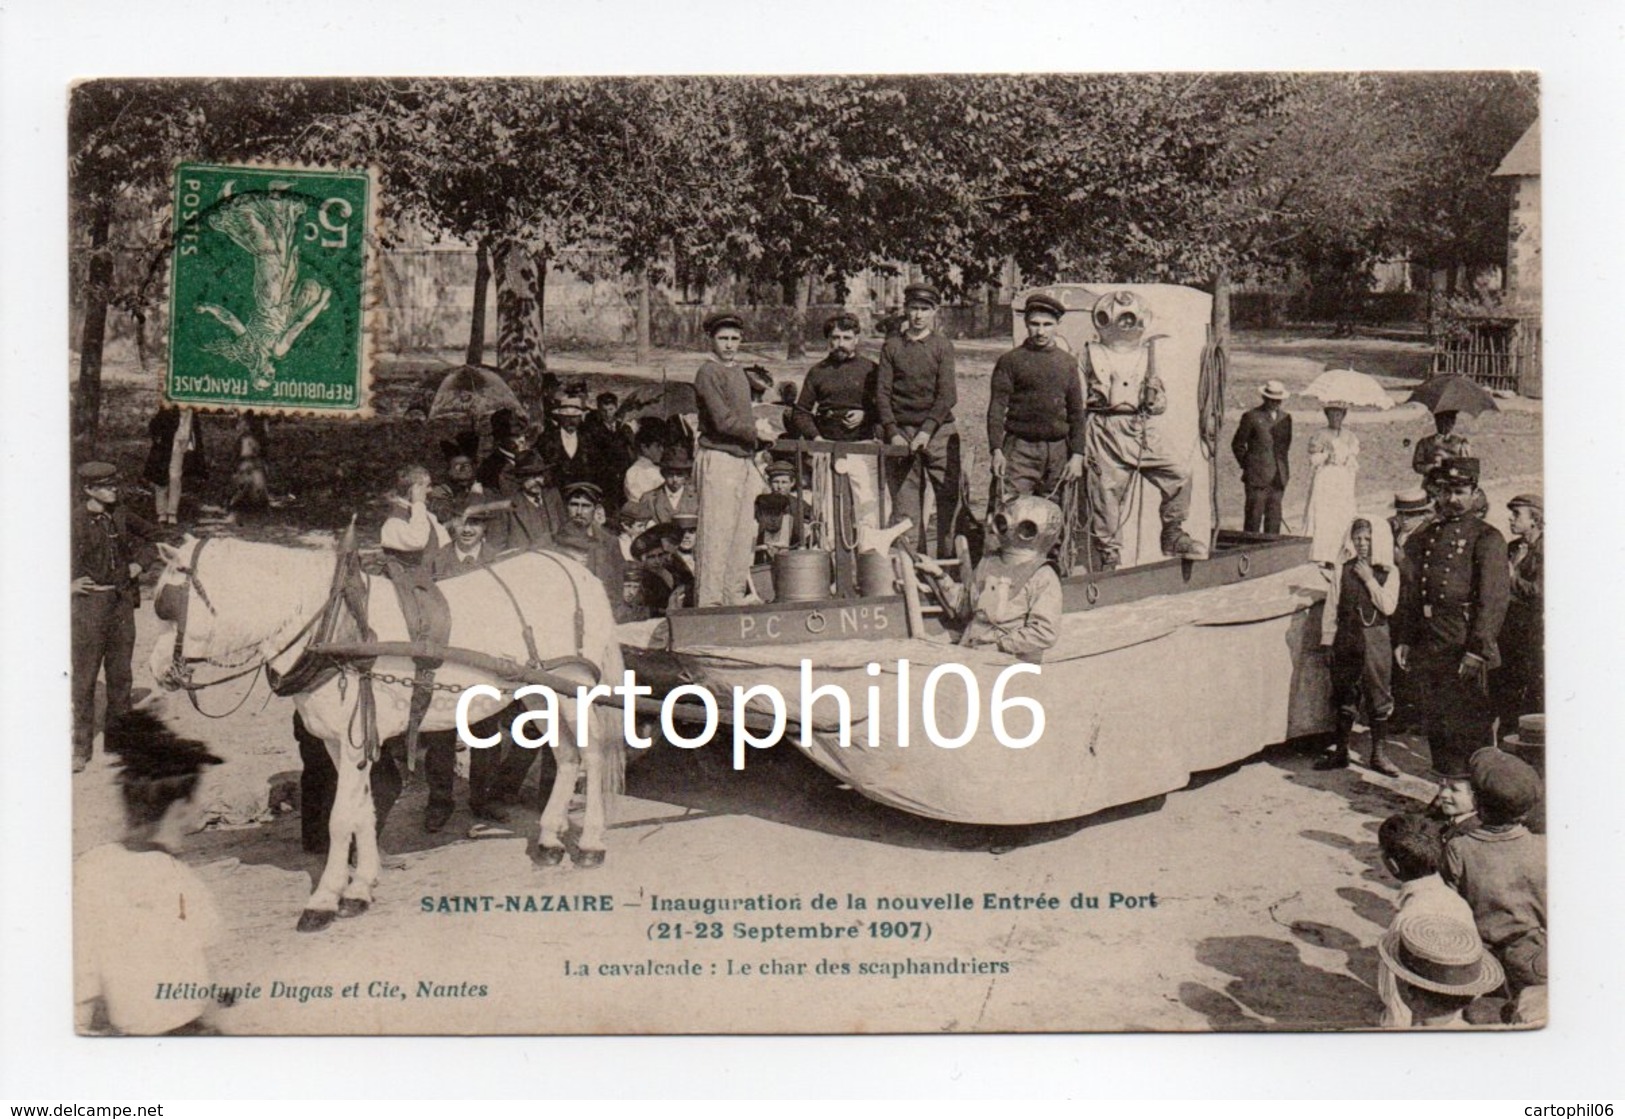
[1500, 354]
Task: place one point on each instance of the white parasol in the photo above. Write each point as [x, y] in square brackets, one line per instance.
[1349, 388]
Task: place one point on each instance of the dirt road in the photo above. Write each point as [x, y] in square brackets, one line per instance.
[1250, 900]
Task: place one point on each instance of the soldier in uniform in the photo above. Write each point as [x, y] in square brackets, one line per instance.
[1450, 617]
[105, 594]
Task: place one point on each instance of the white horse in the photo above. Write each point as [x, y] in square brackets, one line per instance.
[236, 604]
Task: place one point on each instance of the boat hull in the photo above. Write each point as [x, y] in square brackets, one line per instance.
[1136, 696]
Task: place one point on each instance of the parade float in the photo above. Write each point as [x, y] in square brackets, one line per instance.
[1164, 667]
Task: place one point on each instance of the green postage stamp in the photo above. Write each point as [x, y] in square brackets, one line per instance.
[267, 295]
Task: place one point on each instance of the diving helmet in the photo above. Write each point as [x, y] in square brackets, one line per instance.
[1028, 522]
[1120, 318]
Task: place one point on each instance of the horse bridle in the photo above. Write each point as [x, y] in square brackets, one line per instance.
[179, 674]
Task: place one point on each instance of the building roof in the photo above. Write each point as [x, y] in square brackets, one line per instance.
[1524, 158]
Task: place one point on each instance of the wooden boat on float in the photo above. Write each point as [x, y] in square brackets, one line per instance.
[1164, 668]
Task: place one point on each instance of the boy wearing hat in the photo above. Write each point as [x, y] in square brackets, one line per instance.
[1499, 867]
[1035, 416]
[1439, 967]
[725, 470]
[144, 919]
[1413, 852]
[107, 541]
[780, 514]
[1262, 445]
[1449, 617]
[675, 494]
[915, 394]
[1520, 685]
[665, 580]
[837, 400]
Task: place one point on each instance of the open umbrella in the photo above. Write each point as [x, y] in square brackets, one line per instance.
[473, 391]
[1349, 388]
[1454, 393]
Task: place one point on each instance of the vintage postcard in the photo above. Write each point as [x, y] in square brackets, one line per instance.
[671, 555]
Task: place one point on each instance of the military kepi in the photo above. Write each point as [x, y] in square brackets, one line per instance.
[98, 474]
[921, 293]
[720, 320]
[1453, 471]
[1040, 303]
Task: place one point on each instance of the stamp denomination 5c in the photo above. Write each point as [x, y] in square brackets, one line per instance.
[267, 296]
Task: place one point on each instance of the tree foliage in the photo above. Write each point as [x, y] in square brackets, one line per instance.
[1129, 176]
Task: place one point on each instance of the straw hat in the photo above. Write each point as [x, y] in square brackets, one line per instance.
[1441, 955]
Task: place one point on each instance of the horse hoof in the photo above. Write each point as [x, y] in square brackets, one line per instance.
[353, 907]
[549, 856]
[315, 920]
[589, 860]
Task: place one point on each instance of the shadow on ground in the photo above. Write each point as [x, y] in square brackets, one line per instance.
[1274, 989]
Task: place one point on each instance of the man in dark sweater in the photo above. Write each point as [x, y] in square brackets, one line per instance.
[915, 394]
[1035, 414]
[837, 399]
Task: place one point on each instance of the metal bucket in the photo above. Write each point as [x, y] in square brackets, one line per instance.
[801, 575]
[876, 575]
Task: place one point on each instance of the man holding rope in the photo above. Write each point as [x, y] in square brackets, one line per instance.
[915, 394]
[1035, 413]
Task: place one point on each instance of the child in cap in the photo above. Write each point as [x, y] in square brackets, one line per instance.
[1413, 852]
[1499, 867]
[144, 919]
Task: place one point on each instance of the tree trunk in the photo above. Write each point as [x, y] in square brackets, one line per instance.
[644, 343]
[98, 286]
[1221, 306]
[476, 326]
[520, 273]
[177, 465]
[796, 333]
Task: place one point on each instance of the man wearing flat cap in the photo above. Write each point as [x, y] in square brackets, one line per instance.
[915, 394]
[108, 543]
[1449, 618]
[1520, 685]
[593, 544]
[725, 470]
[1035, 413]
[1263, 445]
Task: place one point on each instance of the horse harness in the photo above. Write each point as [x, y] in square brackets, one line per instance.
[325, 656]
[179, 674]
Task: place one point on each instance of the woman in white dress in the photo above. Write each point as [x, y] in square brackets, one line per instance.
[1334, 455]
